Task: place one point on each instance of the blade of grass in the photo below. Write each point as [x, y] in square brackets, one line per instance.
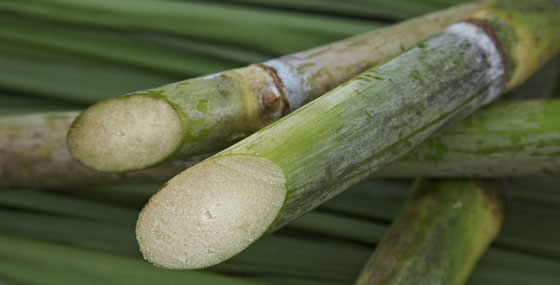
[52, 203]
[57, 264]
[375, 10]
[289, 259]
[102, 236]
[506, 267]
[112, 46]
[340, 226]
[70, 79]
[277, 32]
[19, 105]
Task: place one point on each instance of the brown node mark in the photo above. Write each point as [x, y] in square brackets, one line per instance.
[269, 101]
[489, 30]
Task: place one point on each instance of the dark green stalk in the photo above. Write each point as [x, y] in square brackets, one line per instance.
[439, 235]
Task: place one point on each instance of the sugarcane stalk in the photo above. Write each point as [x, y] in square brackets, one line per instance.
[209, 113]
[505, 139]
[34, 154]
[220, 206]
[439, 235]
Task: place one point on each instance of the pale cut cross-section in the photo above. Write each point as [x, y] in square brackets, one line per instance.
[126, 133]
[211, 212]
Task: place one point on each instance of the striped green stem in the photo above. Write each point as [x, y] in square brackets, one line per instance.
[209, 113]
[439, 235]
[217, 208]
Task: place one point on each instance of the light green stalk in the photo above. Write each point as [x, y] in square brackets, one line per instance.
[209, 113]
[506, 139]
[283, 171]
[439, 235]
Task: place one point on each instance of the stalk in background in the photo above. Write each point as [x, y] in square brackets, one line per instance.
[439, 235]
[520, 138]
[220, 206]
[506, 139]
[207, 114]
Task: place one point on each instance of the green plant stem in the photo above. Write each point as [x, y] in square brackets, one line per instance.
[380, 200]
[439, 235]
[507, 139]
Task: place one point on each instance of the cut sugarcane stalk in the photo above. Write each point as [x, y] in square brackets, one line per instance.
[206, 114]
[439, 235]
[34, 154]
[503, 140]
[217, 208]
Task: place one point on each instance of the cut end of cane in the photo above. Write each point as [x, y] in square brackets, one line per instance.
[211, 212]
[126, 133]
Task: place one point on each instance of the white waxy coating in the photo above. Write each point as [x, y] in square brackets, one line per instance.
[126, 133]
[210, 212]
[478, 37]
[292, 82]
